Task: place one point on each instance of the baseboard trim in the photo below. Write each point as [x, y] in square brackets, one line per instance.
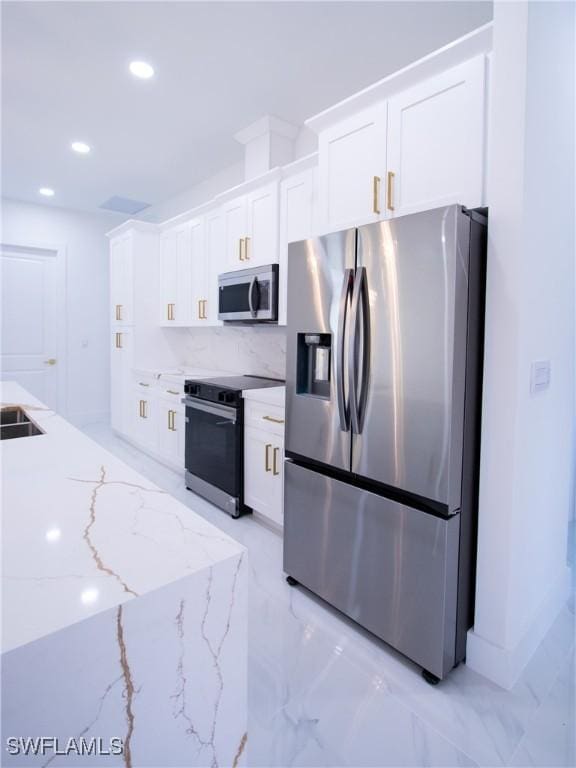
[505, 665]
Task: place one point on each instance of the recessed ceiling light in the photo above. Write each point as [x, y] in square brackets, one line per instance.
[81, 147]
[141, 69]
[46, 191]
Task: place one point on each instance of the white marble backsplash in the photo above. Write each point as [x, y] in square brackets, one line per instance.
[255, 350]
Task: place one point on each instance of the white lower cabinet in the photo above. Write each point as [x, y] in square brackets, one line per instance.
[121, 379]
[144, 418]
[264, 473]
[171, 431]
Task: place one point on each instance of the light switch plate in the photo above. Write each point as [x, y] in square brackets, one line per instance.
[539, 376]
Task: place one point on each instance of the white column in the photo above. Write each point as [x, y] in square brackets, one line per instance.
[527, 459]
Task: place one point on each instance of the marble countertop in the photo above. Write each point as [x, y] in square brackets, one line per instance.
[268, 395]
[82, 532]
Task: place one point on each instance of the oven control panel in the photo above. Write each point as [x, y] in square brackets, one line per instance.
[213, 393]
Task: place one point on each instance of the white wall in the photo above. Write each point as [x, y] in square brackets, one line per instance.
[87, 290]
[527, 440]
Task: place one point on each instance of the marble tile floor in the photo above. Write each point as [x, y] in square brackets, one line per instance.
[323, 692]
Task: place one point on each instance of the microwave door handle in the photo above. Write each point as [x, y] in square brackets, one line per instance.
[343, 406]
[253, 286]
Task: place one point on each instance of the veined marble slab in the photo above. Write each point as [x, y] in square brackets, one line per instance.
[124, 612]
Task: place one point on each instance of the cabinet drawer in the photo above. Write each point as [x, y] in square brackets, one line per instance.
[263, 416]
[172, 393]
[145, 384]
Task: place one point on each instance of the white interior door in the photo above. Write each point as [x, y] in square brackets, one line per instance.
[30, 305]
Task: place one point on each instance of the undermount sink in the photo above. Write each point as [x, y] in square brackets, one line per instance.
[15, 422]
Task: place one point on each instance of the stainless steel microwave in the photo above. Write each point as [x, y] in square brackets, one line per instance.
[249, 295]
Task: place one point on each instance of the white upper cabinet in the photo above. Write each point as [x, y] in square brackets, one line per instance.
[175, 275]
[352, 164]
[213, 263]
[436, 141]
[198, 281]
[261, 241]
[297, 222]
[235, 227]
[121, 279]
[251, 228]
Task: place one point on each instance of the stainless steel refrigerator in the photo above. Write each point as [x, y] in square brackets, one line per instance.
[384, 355]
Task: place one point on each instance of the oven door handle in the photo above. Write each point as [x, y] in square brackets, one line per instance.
[230, 414]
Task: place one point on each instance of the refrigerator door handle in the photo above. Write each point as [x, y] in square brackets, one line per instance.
[343, 406]
[359, 358]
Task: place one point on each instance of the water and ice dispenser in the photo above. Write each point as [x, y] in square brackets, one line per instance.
[314, 364]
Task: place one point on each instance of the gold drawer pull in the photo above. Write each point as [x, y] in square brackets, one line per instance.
[241, 249]
[267, 458]
[376, 194]
[118, 311]
[204, 315]
[170, 311]
[118, 341]
[275, 461]
[173, 392]
[143, 404]
[390, 191]
[200, 309]
[271, 418]
[172, 421]
[246, 243]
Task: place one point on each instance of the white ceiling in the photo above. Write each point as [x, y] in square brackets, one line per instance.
[219, 66]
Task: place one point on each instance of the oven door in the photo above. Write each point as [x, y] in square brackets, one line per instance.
[249, 295]
[214, 452]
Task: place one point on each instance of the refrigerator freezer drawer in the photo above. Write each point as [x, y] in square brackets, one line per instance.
[390, 567]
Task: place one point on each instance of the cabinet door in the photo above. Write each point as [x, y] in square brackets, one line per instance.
[121, 279]
[144, 419]
[235, 230]
[198, 272]
[264, 473]
[120, 379]
[261, 243]
[170, 425]
[436, 141]
[175, 277]
[296, 223]
[214, 263]
[352, 162]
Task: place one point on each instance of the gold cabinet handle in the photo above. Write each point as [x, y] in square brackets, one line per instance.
[390, 191]
[173, 392]
[170, 311]
[241, 249]
[271, 418]
[376, 194]
[267, 458]
[204, 303]
[143, 413]
[200, 309]
[118, 341]
[118, 311]
[172, 421]
[246, 244]
[275, 461]
[50, 361]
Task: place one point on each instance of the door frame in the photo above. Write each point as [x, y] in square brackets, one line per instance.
[59, 252]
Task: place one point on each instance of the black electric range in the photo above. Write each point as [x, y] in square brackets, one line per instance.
[215, 438]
